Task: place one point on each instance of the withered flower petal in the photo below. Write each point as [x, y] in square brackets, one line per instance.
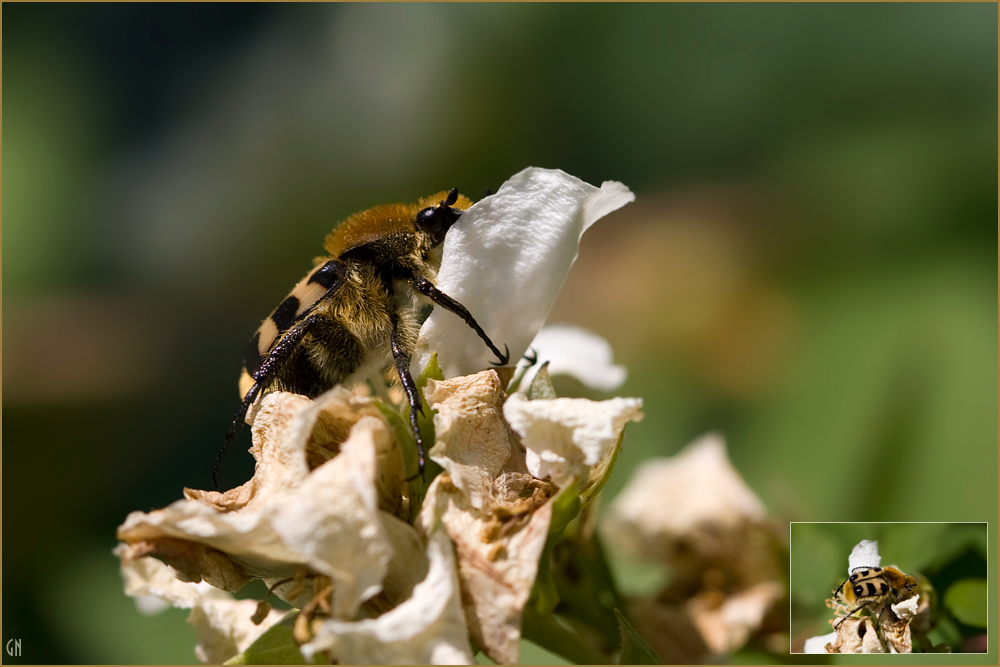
[224, 624]
[427, 628]
[290, 520]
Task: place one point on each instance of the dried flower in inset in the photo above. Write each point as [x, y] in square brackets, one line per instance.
[856, 636]
[873, 588]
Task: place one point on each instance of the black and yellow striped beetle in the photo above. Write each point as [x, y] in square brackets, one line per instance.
[869, 586]
[357, 309]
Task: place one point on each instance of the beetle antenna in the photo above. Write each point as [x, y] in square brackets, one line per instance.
[237, 425]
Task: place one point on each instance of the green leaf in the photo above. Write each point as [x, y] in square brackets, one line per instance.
[404, 436]
[553, 636]
[541, 386]
[602, 472]
[425, 419]
[274, 647]
[519, 374]
[544, 596]
[967, 601]
[945, 632]
[635, 649]
[415, 485]
[431, 372]
[565, 507]
[587, 592]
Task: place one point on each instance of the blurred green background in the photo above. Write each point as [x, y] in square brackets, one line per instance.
[948, 560]
[809, 266]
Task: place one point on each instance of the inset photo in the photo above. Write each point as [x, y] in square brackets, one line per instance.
[888, 587]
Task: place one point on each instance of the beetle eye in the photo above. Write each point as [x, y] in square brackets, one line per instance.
[430, 220]
[437, 220]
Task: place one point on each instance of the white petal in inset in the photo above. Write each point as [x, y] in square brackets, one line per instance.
[818, 644]
[566, 436]
[907, 609]
[864, 554]
[429, 628]
[578, 353]
[506, 260]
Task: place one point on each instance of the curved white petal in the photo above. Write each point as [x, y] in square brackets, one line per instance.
[577, 352]
[864, 554]
[818, 644]
[506, 260]
[907, 609]
[563, 437]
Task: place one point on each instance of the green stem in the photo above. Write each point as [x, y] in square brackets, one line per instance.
[551, 635]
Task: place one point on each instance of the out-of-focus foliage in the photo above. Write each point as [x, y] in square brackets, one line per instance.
[949, 561]
[809, 265]
[966, 600]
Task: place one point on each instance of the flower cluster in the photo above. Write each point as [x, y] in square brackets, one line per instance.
[383, 567]
[330, 522]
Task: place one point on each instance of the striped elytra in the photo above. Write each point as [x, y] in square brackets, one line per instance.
[356, 310]
[873, 586]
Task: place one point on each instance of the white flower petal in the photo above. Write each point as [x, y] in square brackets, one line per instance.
[428, 628]
[339, 499]
[497, 567]
[506, 260]
[150, 577]
[907, 609]
[565, 436]
[577, 352]
[818, 644]
[864, 554]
